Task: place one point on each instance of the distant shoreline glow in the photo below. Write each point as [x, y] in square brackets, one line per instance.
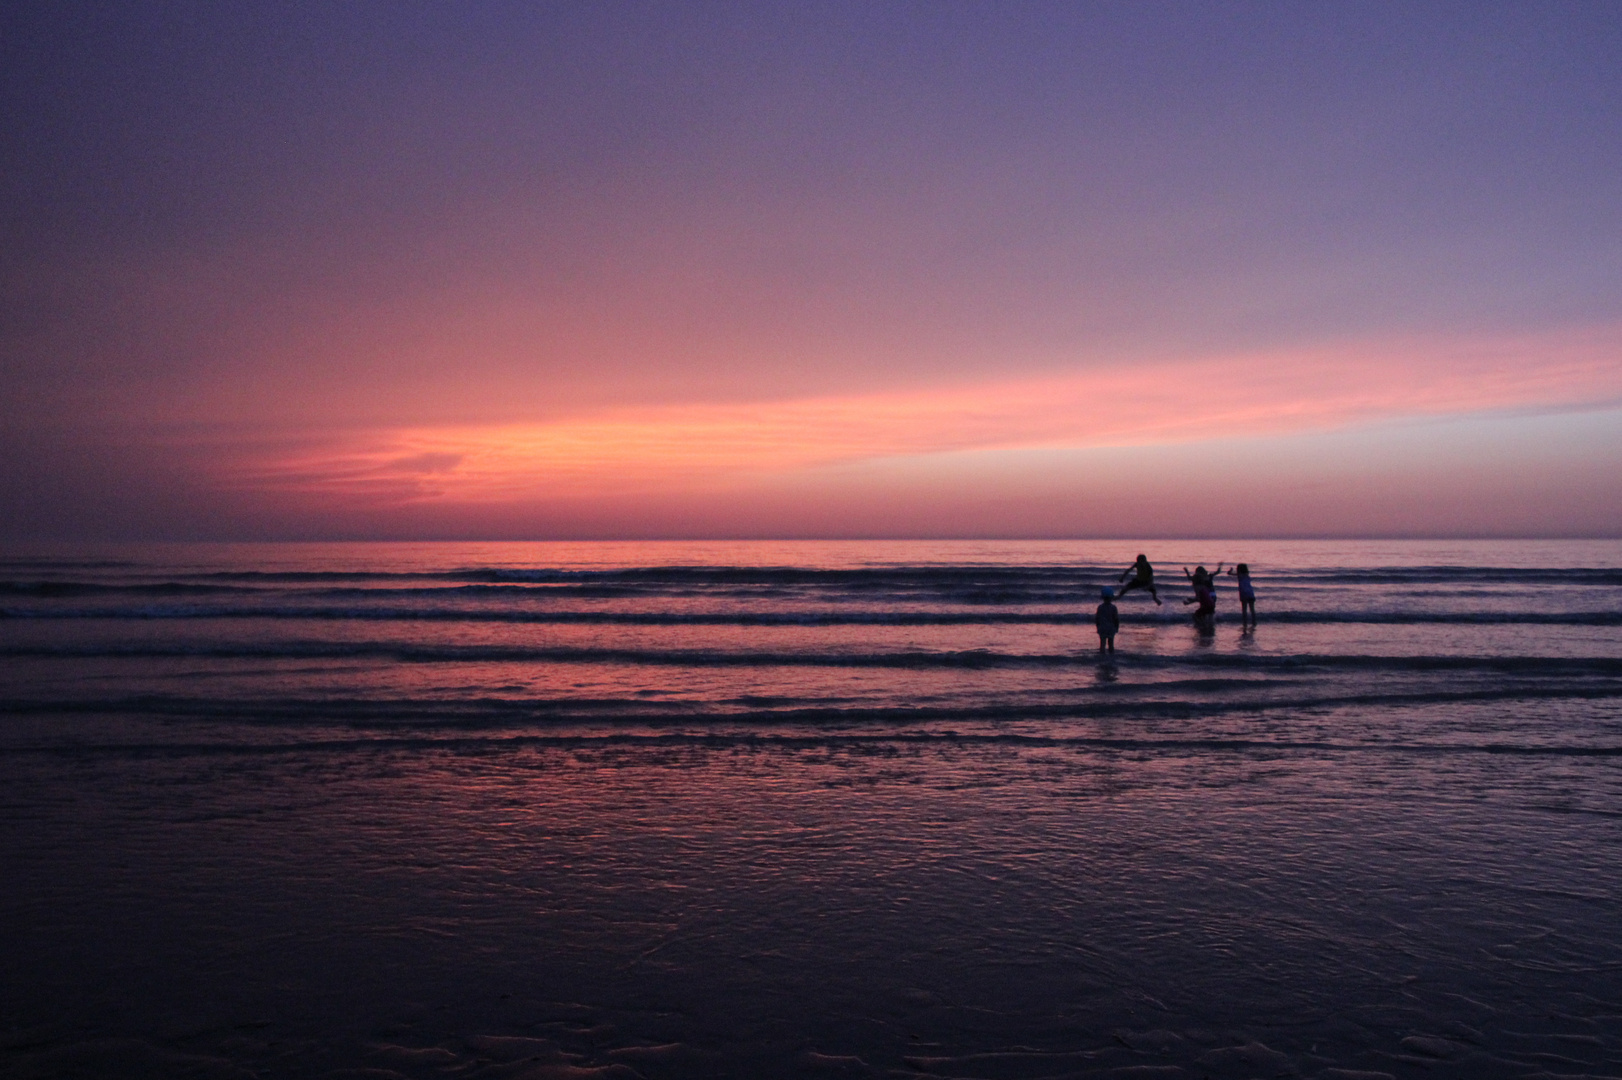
[699, 446]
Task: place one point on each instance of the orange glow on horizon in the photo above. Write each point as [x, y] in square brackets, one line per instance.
[707, 447]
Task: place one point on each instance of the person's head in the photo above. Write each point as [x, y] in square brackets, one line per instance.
[1142, 558]
[1243, 569]
[1107, 593]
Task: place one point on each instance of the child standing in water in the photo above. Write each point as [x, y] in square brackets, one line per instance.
[1108, 621]
[1247, 594]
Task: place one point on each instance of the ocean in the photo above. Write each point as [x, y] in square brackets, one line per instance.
[763, 809]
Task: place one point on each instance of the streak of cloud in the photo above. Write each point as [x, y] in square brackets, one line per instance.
[702, 446]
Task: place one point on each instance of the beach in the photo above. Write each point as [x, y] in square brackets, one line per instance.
[839, 809]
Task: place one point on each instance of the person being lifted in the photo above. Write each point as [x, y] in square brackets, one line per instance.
[1143, 577]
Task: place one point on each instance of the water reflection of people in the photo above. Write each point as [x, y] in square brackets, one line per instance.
[1108, 620]
[1142, 575]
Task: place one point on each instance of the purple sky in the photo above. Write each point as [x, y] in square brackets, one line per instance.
[529, 270]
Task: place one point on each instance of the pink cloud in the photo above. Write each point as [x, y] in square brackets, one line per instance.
[704, 447]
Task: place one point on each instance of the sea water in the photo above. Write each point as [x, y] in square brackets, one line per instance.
[834, 809]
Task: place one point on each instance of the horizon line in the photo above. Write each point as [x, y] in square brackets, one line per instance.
[772, 538]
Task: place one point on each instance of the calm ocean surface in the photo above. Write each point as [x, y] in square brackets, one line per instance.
[825, 809]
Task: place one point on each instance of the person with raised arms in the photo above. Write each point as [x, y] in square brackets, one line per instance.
[1204, 592]
[1247, 594]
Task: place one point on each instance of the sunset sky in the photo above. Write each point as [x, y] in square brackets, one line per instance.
[528, 270]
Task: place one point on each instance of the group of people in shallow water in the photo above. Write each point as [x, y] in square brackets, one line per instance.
[1108, 618]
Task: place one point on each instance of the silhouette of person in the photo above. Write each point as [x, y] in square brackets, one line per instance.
[1204, 592]
[1247, 593]
[1143, 577]
[1107, 620]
